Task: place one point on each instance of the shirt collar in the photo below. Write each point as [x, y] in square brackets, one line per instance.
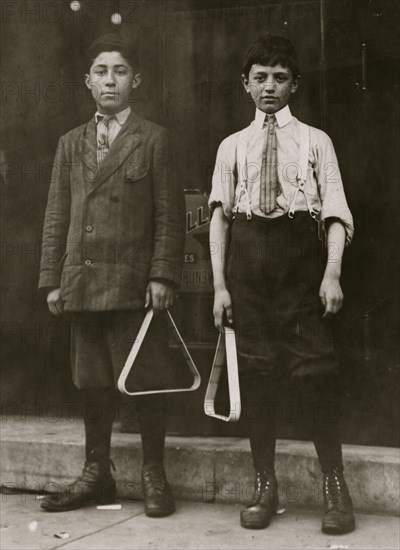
[120, 117]
[283, 117]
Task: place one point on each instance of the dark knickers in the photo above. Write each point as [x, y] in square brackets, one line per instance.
[275, 268]
[100, 345]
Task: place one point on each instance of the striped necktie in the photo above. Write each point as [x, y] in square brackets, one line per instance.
[269, 185]
[103, 145]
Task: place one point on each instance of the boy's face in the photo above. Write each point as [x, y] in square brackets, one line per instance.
[270, 87]
[111, 81]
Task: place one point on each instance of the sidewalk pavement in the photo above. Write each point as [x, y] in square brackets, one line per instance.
[43, 456]
[24, 526]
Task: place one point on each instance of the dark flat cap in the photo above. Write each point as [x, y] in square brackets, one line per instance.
[110, 42]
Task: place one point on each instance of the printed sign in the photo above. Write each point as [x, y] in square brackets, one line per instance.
[197, 273]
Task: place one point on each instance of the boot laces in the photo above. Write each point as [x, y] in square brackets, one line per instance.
[91, 474]
[264, 482]
[157, 478]
[334, 487]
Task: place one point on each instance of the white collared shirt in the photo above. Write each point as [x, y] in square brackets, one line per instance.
[115, 123]
[323, 184]
[283, 117]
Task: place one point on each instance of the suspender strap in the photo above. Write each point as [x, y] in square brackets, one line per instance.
[241, 156]
[304, 151]
[302, 171]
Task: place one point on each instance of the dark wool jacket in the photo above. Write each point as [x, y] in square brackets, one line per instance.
[108, 231]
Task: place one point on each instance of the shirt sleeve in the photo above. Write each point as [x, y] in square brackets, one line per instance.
[224, 177]
[333, 198]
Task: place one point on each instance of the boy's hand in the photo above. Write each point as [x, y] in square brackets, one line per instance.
[222, 304]
[331, 295]
[54, 301]
[159, 295]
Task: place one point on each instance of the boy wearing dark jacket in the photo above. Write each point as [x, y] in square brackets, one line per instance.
[112, 246]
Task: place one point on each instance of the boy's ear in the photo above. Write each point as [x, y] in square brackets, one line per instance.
[136, 81]
[295, 84]
[87, 81]
[245, 82]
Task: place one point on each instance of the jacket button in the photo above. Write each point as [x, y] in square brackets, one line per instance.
[115, 199]
[89, 228]
[88, 262]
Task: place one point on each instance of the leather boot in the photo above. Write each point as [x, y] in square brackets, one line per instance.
[96, 484]
[157, 493]
[338, 518]
[258, 514]
[158, 499]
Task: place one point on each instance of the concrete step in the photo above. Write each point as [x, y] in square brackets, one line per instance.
[42, 455]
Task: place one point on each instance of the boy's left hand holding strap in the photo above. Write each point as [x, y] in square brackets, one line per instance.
[54, 301]
[160, 295]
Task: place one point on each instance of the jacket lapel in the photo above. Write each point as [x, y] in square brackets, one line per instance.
[89, 154]
[128, 139]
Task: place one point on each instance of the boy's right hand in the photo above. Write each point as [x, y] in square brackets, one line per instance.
[54, 301]
[222, 306]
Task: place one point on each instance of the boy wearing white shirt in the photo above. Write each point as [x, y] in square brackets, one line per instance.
[276, 193]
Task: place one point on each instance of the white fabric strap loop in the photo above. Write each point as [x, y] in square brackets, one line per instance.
[135, 350]
[226, 346]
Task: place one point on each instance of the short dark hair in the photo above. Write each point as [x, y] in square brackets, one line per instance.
[271, 50]
[112, 42]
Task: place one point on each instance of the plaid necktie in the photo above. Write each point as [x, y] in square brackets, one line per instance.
[103, 145]
[269, 186]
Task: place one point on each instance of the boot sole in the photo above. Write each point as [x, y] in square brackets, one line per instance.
[255, 525]
[67, 509]
[159, 514]
[54, 507]
[336, 530]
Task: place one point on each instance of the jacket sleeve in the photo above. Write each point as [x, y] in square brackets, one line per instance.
[169, 215]
[56, 221]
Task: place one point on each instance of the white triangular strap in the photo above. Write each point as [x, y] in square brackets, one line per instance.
[226, 346]
[135, 350]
